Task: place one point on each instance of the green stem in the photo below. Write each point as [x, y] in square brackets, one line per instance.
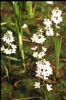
[30, 8]
[17, 12]
[58, 41]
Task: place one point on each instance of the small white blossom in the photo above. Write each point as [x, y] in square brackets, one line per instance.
[38, 73]
[57, 34]
[37, 84]
[47, 71]
[56, 12]
[44, 49]
[24, 26]
[34, 48]
[8, 37]
[13, 50]
[2, 48]
[47, 22]
[41, 54]
[57, 19]
[56, 16]
[7, 51]
[49, 2]
[47, 62]
[49, 87]
[13, 46]
[35, 54]
[49, 31]
[38, 38]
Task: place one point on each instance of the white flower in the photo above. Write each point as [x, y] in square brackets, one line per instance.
[8, 37]
[13, 50]
[47, 71]
[2, 48]
[37, 84]
[49, 31]
[57, 34]
[38, 73]
[49, 87]
[44, 69]
[13, 46]
[39, 68]
[57, 19]
[34, 48]
[24, 26]
[56, 16]
[44, 49]
[39, 65]
[49, 2]
[56, 12]
[38, 38]
[41, 54]
[47, 22]
[7, 51]
[35, 54]
[47, 62]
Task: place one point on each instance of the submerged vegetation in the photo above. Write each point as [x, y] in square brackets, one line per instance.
[33, 50]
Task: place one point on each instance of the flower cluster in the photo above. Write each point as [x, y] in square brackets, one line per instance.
[43, 67]
[56, 18]
[9, 47]
[48, 28]
[38, 37]
[40, 54]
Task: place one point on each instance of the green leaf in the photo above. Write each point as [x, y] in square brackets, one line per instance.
[7, 73]
[63, 82]
[58, 42]
[12, 58]
[29, 83]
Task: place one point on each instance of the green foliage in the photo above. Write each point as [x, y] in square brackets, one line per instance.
[19, 94]
[63, 82]
[29, 83]
[30, 8]
[5, 89]
[51, 96]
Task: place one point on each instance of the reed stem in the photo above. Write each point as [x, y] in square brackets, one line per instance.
[17, 12]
